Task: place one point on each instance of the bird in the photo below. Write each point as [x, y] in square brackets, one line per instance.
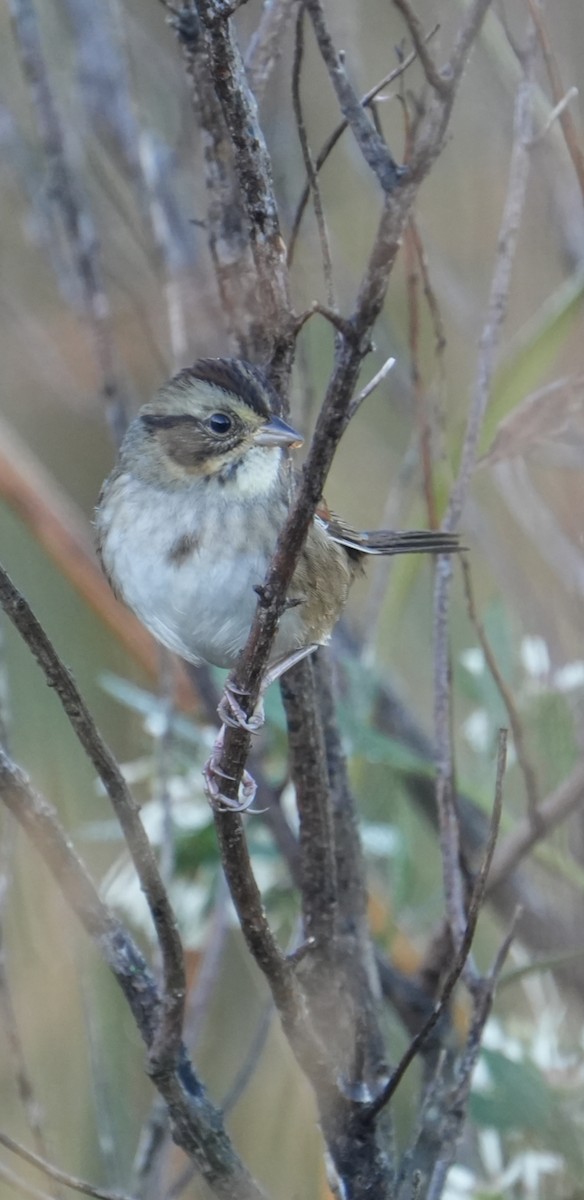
[187, 523]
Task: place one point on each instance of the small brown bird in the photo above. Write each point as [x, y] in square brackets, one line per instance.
[188, 521]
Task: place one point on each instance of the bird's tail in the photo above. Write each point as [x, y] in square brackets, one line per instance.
[411, 541]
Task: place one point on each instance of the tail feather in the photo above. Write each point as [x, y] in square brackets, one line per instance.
[386, 541]
[413, 541]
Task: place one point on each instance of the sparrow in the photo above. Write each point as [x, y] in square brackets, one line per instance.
[188, 521]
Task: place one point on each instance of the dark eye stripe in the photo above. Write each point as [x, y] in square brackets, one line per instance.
[170, 422]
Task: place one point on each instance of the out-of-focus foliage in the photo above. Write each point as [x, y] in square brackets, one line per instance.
[122, 94]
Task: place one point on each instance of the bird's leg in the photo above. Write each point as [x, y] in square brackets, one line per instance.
[232, 712]
[213, 775]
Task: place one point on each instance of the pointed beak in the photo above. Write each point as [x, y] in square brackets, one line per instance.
[277, 433]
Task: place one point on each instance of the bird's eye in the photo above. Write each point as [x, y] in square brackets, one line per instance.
[219, 423]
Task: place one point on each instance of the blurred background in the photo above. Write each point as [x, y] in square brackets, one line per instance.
[135, 158]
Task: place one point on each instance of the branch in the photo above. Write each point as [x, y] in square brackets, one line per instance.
[365, 102]
[489, 343]
[442, 84]
[371, 144]
[166, 1043]
[318, 883]
[253, 170]
[308, 161]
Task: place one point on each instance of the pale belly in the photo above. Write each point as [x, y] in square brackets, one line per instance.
[200, 607]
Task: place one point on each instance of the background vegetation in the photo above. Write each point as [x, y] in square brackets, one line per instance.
[72, 1082]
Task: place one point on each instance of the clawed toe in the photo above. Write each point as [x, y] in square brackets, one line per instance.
[213, 775]
[232, 713]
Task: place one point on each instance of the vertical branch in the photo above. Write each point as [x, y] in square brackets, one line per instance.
[317, 862]
[488, 348]
[253, 170]
[309, 163]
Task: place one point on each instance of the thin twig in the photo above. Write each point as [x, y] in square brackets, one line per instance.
[419, 394]
[309, 163]
[370, 387]
[441, 84]
[371, 144]
[366, 101]
[489, 343]
[167, 1041]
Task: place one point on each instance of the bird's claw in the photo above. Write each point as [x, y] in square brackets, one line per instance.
[232, 713]
[213, 775]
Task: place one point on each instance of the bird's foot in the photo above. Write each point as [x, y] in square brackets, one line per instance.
[230, 709]
[213, 776]
[232, 713]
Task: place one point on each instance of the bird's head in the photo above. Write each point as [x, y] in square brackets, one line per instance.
[210, 420]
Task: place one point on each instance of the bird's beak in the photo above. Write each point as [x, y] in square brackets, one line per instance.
[277, 433]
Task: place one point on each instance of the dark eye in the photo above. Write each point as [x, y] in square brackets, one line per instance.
[219, 423]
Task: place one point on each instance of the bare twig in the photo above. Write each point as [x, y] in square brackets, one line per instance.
[371, 145]
[411, 256]
[370, 387]
[366, 101]
[167, 1041]
[441, 83]
[309, 163]
[489, 342]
